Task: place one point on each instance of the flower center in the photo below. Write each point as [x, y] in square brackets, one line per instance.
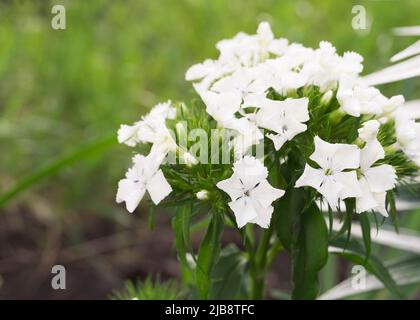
[328, 172]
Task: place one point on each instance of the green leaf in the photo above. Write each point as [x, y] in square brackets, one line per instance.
[310, 254]
[353, 252]
[347, 223]
[286, 215]
[181, 224]
[228, 275]
[84, 151]
[365, 224]
[208, 255]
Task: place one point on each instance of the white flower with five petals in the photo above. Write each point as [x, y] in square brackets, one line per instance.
[285, 118]
[243, 82]
[374, 180]
[223, 108]
[251, 194]
[331, 180]
[145, 175]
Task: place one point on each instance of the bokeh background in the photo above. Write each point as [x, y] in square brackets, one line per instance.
[64, 93]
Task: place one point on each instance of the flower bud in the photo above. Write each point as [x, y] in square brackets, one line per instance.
[202, 195]
[393, 104]
[369, 131]
[326, 97]
[189, 159]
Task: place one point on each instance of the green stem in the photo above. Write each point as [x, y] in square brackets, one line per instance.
[259, 265]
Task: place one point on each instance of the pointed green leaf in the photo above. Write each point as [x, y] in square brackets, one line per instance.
[228, 276]
[352, 251]
[208, 255]
[365, 224]
[310, 254]
[286, 215]
[181, 224]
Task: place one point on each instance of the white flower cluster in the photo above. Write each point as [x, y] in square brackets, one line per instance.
[145, 173]
[234, 90]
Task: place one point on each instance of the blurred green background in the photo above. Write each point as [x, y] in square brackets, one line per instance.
[61, 90]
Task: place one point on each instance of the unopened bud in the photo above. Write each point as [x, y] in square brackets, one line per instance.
[369, 131]
[189, 159]
[202, 195]
[326, 97]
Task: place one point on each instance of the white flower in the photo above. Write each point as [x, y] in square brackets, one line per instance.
[296, 55]
[128, 134]
[252, 196]
[280, 74]
[151, 129]
[325, 67]
[408, 135]
[242, 82]
[374, 181]
[285, 118]
[247, 135]
[389, 107]
[267, 42]
[249, 50]
[201, 70]
[369, 131]
[331, 180]
[207, 72]
[355, 99]
[145, 175]
[222, 106]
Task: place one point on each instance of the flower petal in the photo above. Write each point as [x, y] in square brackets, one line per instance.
[347, 156]
[221, 106]
[380, 199]
[265, 194]
[298, 108]
[243, 210]
[128, 135]
[330, 190]
[372, 152]
[351, 186]
[366, 201]
[311, 177]
[250, 171]
[131, 193]
[381, 178]
[324, 152]
[232, 186]
[264, 216]
[335, 156]
[287, 132]
[158, 187]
